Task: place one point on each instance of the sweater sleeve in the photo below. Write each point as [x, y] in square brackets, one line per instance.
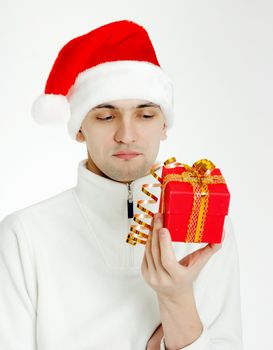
[223, 329]
[17, 291]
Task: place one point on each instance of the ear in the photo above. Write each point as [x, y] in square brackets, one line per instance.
[164, 132]
[80, 137]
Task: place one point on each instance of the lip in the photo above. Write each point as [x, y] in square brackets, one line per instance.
[127, 153]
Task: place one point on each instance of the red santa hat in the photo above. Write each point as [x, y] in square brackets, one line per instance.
[114, 61]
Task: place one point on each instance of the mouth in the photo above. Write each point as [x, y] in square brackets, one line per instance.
[126, 155]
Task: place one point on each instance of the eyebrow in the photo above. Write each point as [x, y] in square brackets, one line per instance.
[104, 105]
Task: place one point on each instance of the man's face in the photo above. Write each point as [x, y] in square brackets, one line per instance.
[128, 125]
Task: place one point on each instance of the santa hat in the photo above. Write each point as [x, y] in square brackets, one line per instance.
[114, 61]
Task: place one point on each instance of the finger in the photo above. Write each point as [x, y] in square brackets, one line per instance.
[149, 256]
[207, 253]
[156, 251]
[200, 256]
[155, 247]
[144, 262]
[168, 257]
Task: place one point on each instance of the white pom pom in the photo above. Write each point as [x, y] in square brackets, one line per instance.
[51, 109]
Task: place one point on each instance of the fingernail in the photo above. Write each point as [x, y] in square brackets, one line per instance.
[155, 217]
[162, 232]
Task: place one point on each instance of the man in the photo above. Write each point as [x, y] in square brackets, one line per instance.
[68, 278]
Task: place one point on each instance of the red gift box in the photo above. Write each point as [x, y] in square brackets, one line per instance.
[194, 203]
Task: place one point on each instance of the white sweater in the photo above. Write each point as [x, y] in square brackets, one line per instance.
[69, 281]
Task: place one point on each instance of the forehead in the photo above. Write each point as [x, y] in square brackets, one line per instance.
[126, 104]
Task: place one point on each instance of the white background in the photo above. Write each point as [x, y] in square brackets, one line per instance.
[219, 55]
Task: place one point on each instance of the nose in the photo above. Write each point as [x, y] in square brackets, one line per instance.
[126, 131]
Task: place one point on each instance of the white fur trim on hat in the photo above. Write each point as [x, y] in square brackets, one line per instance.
[119, 80]
[51, 109]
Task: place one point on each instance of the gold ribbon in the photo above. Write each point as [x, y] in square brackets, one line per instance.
[199, 176]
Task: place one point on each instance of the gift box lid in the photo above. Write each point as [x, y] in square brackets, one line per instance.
[179, 196]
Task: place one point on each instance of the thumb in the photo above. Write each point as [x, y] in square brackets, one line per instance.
[200, 256]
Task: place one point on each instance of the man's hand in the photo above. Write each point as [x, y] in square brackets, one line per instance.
[172, 281]
[167, 276]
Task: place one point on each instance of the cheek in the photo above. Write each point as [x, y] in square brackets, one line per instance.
[152, 136]
[99, 143]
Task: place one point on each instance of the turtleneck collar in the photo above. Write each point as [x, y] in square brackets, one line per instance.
[107, 197]
[103, 203]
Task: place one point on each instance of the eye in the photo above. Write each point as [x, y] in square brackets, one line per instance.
[148, 116]
[109, 116]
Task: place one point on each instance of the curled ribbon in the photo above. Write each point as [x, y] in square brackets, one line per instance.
[199, 176]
